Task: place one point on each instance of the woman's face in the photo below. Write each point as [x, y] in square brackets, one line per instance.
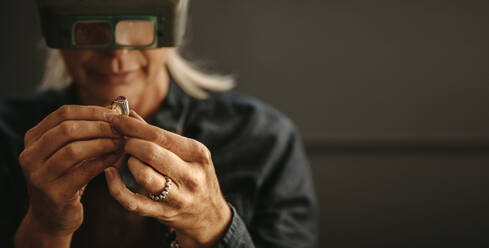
[102, 75]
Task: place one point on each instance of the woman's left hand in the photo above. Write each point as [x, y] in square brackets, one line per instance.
[194, 207]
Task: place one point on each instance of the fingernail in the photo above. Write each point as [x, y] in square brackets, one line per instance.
[109, 116]
[135, 114]
[108, 173]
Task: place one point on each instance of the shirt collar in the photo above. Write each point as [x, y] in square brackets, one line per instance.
[172, 111]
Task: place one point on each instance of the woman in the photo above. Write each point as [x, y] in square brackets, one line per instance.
[199, 168]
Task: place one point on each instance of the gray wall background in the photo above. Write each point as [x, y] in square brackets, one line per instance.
[390, 96]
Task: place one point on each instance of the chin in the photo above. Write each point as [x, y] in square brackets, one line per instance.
[103, 94]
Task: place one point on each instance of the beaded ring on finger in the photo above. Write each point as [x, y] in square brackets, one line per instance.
[162, 196]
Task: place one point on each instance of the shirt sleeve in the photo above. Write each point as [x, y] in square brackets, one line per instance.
[286, 214]
[237, 234]
[285, 211]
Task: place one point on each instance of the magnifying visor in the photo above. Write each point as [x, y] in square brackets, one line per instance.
[99, 32]
[112, 24]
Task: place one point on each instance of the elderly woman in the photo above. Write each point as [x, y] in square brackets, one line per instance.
[189, 166]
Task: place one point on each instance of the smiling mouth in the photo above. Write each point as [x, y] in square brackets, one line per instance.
[115, 78]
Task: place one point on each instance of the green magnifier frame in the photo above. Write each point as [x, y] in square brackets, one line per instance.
[58, 18]
[112, 21]
[61, 31]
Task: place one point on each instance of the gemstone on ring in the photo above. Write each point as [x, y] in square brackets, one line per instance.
[121, 103]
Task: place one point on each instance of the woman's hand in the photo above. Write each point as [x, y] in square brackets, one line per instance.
[62, 154]
[195, 206]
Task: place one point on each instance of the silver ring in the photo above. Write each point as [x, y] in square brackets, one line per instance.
[122, 103]
[162, 196]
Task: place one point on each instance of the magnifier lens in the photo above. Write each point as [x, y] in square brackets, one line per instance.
[134, 33]
[92, 33]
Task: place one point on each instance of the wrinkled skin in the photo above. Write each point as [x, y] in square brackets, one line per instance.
[62, 154]
[72, 145]
[195, 208]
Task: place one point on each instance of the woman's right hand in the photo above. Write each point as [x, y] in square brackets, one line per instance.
[62, 154]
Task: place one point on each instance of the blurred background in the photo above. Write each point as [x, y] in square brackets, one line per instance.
[390, 96]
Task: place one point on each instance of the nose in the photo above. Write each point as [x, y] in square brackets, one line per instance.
[116, 52]
[117, 58]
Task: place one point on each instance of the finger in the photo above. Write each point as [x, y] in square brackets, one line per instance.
[136, 115]
[132, 201]
[152, 181]
[188, 149]
[157, 157]
[76, 152]
[79, 176]
[68, 131]
[66, 112]
[114, 108]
